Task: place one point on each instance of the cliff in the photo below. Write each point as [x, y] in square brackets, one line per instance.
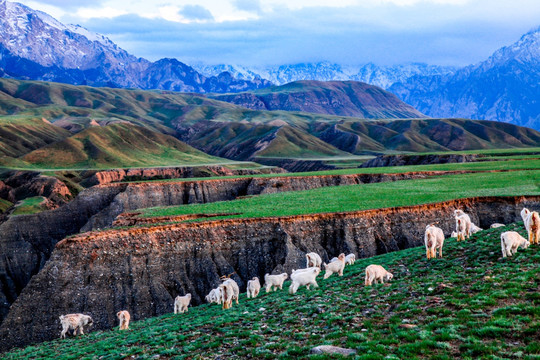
[28, 240]
[143, 269]
[19, 185]
[116, 175]
[402, 160]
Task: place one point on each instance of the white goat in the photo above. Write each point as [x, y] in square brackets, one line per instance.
[304, 277]
[463, 226]
[335, 266]
[227, 292]
[377, 273]
[454, 234]
[253, 287]
[433, 239]
[74, 322]
[531, 220]
[496, 225]
[181, 303]
[214, 296]
[350, 259]
[475, 229]
[510, 241]
[124, 318]
[313, 259]
[235, 288]
[272, 282]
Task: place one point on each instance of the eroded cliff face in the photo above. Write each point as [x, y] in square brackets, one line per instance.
[26, 241]
[19, 185]
[403, 160]
[143, 269]
[150, 194]
[116, 175]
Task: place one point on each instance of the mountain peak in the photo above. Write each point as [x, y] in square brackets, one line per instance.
[525, 50]
[503, 88]
[36, 46]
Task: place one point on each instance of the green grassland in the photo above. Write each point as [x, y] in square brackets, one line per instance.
[471, 304]
[221, 129]
[4, 205]
[367, 196]
[29, 205]
[117, 145]
[497, 165]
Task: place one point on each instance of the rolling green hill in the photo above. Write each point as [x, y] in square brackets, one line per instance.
[20, 135]
[345, 98]
[471, 304]
[117, 145]
[35, 115]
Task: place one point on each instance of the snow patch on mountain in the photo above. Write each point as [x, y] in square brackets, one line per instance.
[383, 76]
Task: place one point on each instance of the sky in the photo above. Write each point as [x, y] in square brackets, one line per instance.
[276, 32]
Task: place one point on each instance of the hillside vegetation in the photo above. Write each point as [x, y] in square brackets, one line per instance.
[118, 145]
[367, 196]
[36, 114]
[345, 98]
[470, 304]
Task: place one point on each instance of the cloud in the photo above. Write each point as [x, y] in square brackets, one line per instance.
[71, 4]
[196, 12]
[248, 5]
[428, 32]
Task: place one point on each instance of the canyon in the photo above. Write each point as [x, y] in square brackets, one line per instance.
[26, 241]
[143, 269]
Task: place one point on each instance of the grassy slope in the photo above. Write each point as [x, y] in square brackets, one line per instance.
[75, 107]
[295, 143]
[350, 98]
[368, 196]
[118, 145]
[29, 205]
[21, 135]
[4, 205]
[469, 305]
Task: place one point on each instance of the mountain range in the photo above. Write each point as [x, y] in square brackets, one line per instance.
[502, 88]
[382, 76]
[505, 87]
[35, 46]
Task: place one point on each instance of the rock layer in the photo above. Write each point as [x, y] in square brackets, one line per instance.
[26, 241]
[143, 269]
[116, 175]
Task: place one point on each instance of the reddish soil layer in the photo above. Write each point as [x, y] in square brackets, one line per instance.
[143, 269]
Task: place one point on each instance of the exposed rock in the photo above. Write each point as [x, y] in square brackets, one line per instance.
[296, 165]
[143, 269]
[27, 240]
[115, 175]
[329, 349]
[407, 326]
[22, 184]
[402, 160]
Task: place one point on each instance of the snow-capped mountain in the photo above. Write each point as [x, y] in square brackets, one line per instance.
[505, 87]
[382, 76]
[34, 45]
